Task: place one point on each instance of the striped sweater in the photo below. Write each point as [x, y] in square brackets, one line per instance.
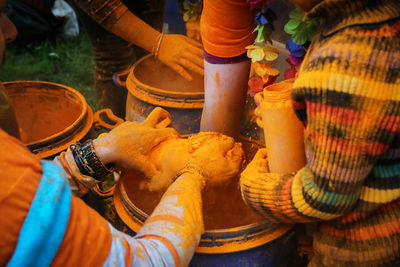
[347, 93]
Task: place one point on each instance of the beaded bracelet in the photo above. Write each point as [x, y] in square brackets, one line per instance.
[190, 168]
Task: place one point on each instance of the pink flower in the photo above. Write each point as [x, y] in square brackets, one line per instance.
[258, 4]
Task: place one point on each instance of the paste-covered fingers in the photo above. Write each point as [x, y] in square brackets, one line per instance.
[181, 71]
[191, 66]
[225, 145]
[196, 59]
[260, 161]
[162, 134]
[148, 168]
[158, 117]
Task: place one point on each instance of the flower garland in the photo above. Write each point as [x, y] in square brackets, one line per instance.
[192, 10]
[302, 30]
[262, 54]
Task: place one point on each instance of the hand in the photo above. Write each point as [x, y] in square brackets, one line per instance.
[129, 144]
[219, 158]
[193, 30]
[258, 165]
[181, 54]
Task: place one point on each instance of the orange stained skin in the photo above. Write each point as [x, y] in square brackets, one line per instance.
[217, 80]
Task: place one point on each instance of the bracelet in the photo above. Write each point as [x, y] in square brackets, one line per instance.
[157, 47]
[87, 161]
[190, 168]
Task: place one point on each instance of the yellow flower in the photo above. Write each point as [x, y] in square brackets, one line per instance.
[255, 52]
[261, 52]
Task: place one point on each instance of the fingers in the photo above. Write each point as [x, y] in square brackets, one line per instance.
[181, 71]
[260, 161]
[225, 144]
[196, 59]
[191, 66]
[157, 118]
[164, 133]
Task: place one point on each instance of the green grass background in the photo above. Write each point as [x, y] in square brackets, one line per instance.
[67, 61]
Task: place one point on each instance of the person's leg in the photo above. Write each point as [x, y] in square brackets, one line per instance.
[226, 29]
[113, 54]
[225, 94]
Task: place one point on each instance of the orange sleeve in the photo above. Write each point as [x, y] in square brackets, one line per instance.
[20, 176]
[226, 27]
[87, 240]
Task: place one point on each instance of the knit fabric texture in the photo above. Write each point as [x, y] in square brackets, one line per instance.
[347, 94]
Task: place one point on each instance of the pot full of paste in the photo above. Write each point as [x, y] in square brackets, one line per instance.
[234, 234]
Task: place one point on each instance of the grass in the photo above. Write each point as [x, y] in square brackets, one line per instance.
[67, 61]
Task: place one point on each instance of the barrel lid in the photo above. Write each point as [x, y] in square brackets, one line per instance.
[155, 77]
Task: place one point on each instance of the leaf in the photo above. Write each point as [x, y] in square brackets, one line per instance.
[296, 14]
[300, 37]
[186, 5]
[291, 26]
[260, 35]
[267, 34]
[186, 17]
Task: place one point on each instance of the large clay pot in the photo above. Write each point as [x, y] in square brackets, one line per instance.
[150, 83]
[250, 242]
[50, 116]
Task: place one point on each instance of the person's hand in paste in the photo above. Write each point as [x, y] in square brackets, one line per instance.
[181, 54]
[217, 156]
[257, 166]
[129, 144]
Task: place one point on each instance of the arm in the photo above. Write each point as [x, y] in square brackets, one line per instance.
[346, 133]
[176, 51]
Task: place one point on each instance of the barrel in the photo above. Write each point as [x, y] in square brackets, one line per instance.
[250, 242]
[150, 83]
[50, 116]
[258, 244]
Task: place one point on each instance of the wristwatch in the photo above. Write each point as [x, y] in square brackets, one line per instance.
[87, 161]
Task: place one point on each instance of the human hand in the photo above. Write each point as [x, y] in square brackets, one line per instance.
[181, 54]
[258, 165]
[219, 158]
[130, 144]
[193, 30]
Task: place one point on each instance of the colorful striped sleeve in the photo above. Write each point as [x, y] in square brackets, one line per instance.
[348, 95]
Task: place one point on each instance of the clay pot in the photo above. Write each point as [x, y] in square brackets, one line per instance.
[50, 116]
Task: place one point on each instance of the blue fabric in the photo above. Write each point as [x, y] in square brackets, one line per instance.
[46, 222]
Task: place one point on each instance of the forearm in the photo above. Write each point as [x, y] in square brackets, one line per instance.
[105, 13]
[136, 31]
[177, 222]
[114, 16]
[170, 235]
